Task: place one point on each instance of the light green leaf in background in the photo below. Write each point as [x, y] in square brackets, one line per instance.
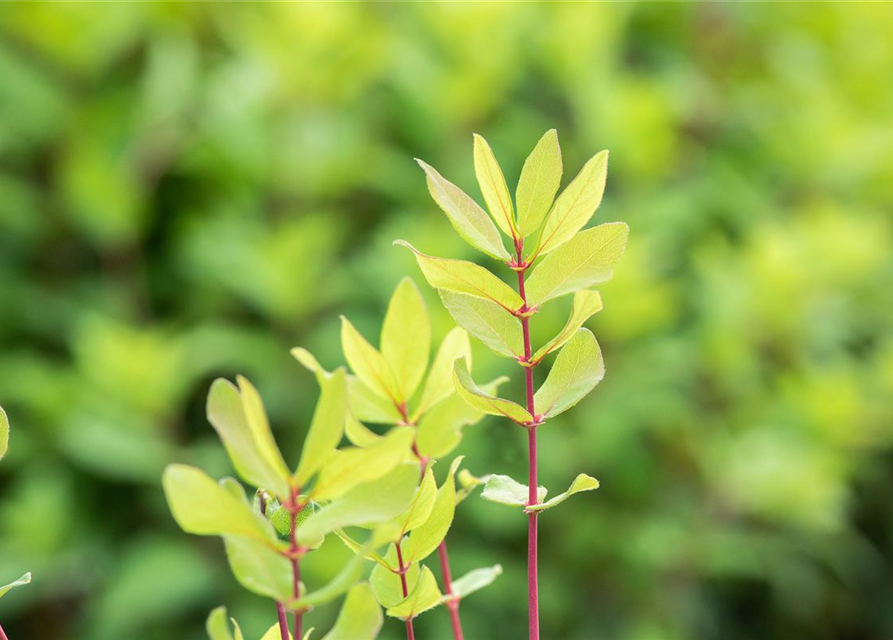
[360, 617]
[309, 362]
[259, 568]
[576, 371]
[586, 260]
[427, 537]
[343, 581]
[370, 503]
[226, 413]
[493, 186]
[439, 384]
[25, 579]
[474, 580]
[256, 416]
[235, 488]
[358, 433]
[217, 625]
[424, 596]
[203, 507]
[4, 433]
[326, 427]
[486, 321]
[406, 337]
[581, 483]
[368, 364]
[586, 304]
[469, 391]
[576, 204]
[468, 219]
[468, 483]
[466, 277]
[386, 584]
[504, 490]
[346, 468]
[539, 181]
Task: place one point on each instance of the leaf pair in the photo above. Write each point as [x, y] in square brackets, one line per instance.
[504, 490]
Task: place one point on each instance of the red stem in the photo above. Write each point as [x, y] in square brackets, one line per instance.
[280, 608]
[3, 635]
[295, 509]
[452, 603]
[410, 634]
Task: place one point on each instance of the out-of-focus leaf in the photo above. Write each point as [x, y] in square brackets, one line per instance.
[259, 568]
[256, 416]
[406, 337]
[4, 433]
[275, 633]
[586, 304]
[358, 433]
[504, 490]
[576, 371]
[326, 427]
[585, 260]
[469, 391]
[474, 580]
[217, 625]
[423, 597]
[439, 384]
[426, 538]
[368, 363]
[346, 578]
[420, 508]
[493, 187]
[440, 429]
[486, 321]
[360, 617]
[581, 483]
[539, 181]
[25, 579]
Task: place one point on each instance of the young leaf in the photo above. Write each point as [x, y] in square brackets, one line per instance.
[326, 427]
[4, 433]
[586, 304]
[346, 468]
[258, 568]
[466, 277]
[576, 371]
[406, 337]
[426, 538]
[584, 261]
[440, 429]
[360, 617]
[358, 433]
[581, 483]
[345, 579]
[25, 579]
[575, 205]
[386, 583]
[493, 187]
[470, 221]
[256, 416]
[203, 507]
[474, 580]
[439, 384]
[217, 625]
[483, 401]
[540, 179]
[369, 365]
[486, 321]
[226, 413]
[504, 490]
[420, 508]
[369, 503]
[275, 633]
[424, 596]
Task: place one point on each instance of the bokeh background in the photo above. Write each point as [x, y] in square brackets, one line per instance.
[189, 190]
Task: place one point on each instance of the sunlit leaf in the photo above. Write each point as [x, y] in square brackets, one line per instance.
[4, 433]
[493, 187]
[259, 568]
[581, 483]
[540, 179]
[25, 579]
[368, 363]
[576, 371]
[585, 260]
[439, 384]
[486, 321]
[425, 595]
[275, 633]
[586, 304]
[468, 219]
[326, 427]
[217, 625]
[358, 433]
[343, 581]
[256, 416]
[360, 617]
[387, 585]
[440, 429]
[420, 508]
[469, 391]
[474, 580]
[468, 483]
[406, 337]
[381, 534]
[504, 490]
[427, 538]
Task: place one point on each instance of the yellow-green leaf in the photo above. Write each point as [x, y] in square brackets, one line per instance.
[581, 483]
[406, 337]
[326, 427]
[540, 179]
[586, 304]
[486, 321]
[4, 433]
[504, 490]
[369, 365]
[25, 579]
[576, 371]
[259, 568]
[586, 260]
[386, 584]
[275, 633]
[425, 595]
[426, 538]
[259, 424]
[343, 581]
[360, 617]
[439, 384]
[469, 391]
[420, 508]
[217, 625]
[474, 580]
[358, 433]
[493, 187]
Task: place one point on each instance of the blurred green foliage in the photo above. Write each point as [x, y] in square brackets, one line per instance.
[189, 190]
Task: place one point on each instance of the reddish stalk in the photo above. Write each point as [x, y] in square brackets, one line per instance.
[280, 608]
[452, 604]
[294, 553]
[410, 634]
[2, 634]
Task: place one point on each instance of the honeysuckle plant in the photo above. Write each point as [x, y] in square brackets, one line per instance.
[394, 387]
[548, 242]
[4, 446]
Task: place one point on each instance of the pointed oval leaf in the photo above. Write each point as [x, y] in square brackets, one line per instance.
[423, 597]
[466, 277]
[586, 260]
[360, 617]
[256, 416]
[4, 433]
[439, 384]
[470, 221]
[504, 490]
[577, 369]
[25, 579]
[217, 625]
[275, 633]
[539, 182]
[259, 568]
[420, 508]
[581, 483]
[428, 536]
[486, 321]
[483, 401]
[576, 204]
[386, 583]
[358, 433]
[326, 428]
[493, 187]
[368, 363]
[474, 580]
[343, 581]
[586, 304]
[406, 337]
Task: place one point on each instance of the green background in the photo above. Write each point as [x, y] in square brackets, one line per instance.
[189, 190]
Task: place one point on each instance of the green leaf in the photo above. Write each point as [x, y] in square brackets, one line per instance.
[358, 433]
[217, 625]
[428, 537]
[326, 427]
[439, 384]
[258, 568]
[4, 433]
[474, 580]
[386, 584]
[370, 503]
[466, 277]
[418, 512]
[256, 416]
[345, 579]
[25, 579]
[360, 617]
[586, 304]
[469, 482]
[584, 261]
[424, 596]
[275, 633]
[576, 371]
[346, 468]
[576, 204]
[380, 535]
[540, 179]
[406, 337]
[493, 187]
[486, 321]
[226, 413]
[504, 490]
[368, 364]
[203, 507]
[468, 219]
[483, 401]
[581, 483]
